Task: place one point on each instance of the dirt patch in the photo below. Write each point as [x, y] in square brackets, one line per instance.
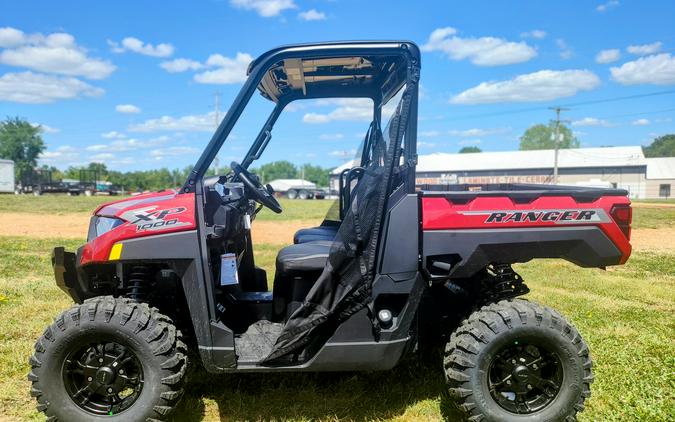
[74, 226]
[662, 239]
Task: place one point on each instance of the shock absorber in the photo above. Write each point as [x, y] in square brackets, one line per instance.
[139, 278]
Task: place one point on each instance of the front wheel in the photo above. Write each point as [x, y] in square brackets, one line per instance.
[518, 361]
[108, 358]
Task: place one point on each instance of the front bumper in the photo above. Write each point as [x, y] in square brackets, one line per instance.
[66, 273]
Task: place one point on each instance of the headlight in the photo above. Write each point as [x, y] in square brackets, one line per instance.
[103, 225]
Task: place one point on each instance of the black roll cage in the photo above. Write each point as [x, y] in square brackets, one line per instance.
[404, 50]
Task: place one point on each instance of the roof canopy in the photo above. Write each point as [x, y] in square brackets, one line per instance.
[375, 72]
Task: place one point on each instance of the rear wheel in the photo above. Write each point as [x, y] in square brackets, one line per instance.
[518, 361]
[292, 194]
[303, 194]
[109, 357]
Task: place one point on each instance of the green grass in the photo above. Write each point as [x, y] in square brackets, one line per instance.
[53, 204]
[63, 204]
[626, 314]
[653, 217]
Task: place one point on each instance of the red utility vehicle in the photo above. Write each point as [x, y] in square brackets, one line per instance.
[402, 266]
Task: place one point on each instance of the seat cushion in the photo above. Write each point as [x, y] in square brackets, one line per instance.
[315, 233]
[309, 256]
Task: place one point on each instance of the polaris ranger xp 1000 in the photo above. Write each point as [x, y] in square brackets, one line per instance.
[169, 274]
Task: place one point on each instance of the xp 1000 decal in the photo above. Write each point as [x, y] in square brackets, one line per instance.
[553, 216]
[151, 218]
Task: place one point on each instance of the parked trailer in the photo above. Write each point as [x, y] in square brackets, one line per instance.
[6, 176]
[40, 181]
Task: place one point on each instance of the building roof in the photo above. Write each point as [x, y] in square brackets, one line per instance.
[661, 168]
[282, 185]
[512, 160]
[536, 159]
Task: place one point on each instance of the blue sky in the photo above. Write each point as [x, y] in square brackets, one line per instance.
[133, 84]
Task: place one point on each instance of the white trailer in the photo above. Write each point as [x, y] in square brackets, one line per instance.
[6, 176]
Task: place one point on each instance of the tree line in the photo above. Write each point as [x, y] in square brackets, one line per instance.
[21, 142]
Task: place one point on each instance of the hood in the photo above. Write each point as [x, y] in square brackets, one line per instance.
[154, 211]
[116, 208]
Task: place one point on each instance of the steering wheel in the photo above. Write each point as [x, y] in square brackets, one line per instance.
[260, 193]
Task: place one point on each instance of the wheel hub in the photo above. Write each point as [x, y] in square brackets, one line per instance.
[105, 375]
[103, 378]
[525, 377]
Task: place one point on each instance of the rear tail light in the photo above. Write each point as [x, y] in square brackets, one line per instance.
[623, 216]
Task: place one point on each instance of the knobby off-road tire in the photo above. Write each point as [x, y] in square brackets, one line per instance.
[532, 335]
[125, 328]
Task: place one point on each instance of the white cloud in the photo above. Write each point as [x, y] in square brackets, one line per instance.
[54, 53]
[469, 142]
[127, 109]
[45, 128]
[264, 8]
[535, 33]
[172, 152]
[113, 135]
[331, 136]
[349, 109]
[228, 70]
[608, 56]
[180, 65]
[104, 156]
[591, 121]
[190, 123]
[312, 15]
[544, 85]
[121, 145]
[429, 134]
[640, 122]
[12, 37]
[343, 153]
[36, 88]
[484, 51]
[477, 132]
[140, 47]
[645, 49]
[566, 51]
[62, 156]
[606, 6]
[658, 69]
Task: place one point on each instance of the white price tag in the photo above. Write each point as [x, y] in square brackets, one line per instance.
[228, 270]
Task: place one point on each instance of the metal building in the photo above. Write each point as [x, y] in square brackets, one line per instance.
[621, 167]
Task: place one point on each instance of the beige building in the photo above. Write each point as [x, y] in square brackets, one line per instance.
[660, 177]
[619, 167]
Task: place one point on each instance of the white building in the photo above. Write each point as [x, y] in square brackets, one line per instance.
[620, 167]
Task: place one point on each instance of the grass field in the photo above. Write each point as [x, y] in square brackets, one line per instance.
[627, 315]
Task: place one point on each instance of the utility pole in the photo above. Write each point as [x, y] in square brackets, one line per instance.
[216, 160]
[556, 141]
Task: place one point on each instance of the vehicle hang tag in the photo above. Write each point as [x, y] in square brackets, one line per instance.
[228, 270]
[247, 222]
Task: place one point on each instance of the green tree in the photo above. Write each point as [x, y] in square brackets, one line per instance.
[470, 149]
[663, 146]
[20, 142]
[541, 137]
[277, 170]
[315, 174]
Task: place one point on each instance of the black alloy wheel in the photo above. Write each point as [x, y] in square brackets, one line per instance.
[517, 361]
[103, 378]
[524, 377]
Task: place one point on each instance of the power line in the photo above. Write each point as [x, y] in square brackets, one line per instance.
[579, 104]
